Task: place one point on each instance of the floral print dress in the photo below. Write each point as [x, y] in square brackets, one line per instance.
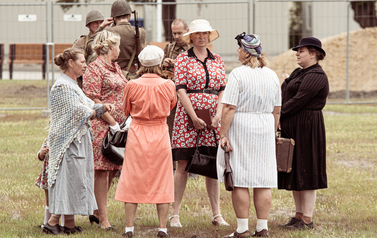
[106, 83]
[192, 74]
[42, 177]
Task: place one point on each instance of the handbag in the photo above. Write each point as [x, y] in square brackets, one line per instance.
[202, 164]
[228, 173]
[284, 153]
[113, 145]
[203, 114]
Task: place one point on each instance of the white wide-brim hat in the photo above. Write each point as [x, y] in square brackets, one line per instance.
[151, 56]
[200, 25]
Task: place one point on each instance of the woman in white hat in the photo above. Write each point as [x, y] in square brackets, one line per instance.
[147, 173]
[200, 82]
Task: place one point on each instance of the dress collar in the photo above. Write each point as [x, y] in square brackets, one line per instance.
[111, 67]
[190, 53]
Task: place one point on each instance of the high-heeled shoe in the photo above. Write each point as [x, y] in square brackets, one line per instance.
[221, 223]
[93, 218]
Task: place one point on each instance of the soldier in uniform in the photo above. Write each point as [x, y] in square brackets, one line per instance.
[171, 51]
[121, 14]
[93, 21]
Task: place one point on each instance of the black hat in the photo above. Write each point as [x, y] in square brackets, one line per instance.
[310, 41]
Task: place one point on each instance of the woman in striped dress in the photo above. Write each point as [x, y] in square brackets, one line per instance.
[250, 117]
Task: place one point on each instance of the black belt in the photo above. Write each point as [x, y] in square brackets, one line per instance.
[203, 91]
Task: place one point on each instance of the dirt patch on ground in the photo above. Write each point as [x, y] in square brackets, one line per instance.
[362, 70]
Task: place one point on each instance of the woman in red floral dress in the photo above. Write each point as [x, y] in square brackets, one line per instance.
[195, 70]
[104, 82]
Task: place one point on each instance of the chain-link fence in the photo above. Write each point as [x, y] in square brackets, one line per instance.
[28, 28]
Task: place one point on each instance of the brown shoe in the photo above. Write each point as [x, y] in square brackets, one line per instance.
[236, 234]
[300, 225]
[53, 230]
[291, 222]
[128, 234]
[162, 234]
[262, 233]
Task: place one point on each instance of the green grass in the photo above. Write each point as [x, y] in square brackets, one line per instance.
[347, 208]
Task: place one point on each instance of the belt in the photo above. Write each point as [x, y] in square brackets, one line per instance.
[132, 68]
[203, 91]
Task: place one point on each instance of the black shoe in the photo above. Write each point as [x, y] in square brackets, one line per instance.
[93, 218]
[162, 234]
[53, 230]
[128, 234]
[291, 222]
[262, 233]
[68, 231]
[300, 225]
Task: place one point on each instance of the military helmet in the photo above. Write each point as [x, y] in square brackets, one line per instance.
[120, 8]
[94, 15]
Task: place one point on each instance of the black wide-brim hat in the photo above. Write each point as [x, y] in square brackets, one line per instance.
[310, 41]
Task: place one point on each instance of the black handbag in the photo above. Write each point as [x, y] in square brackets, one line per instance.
[113, 145]
[228, 173]
[202, 164]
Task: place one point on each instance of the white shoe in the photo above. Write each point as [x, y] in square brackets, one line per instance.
[177, 224]
[221, 223]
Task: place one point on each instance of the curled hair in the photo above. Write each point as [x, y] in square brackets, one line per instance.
[150, 70]
[318, 54]
[255, 62]
[62, 59]
[103, 41]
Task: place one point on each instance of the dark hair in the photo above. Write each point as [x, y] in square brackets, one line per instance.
[62, 59]
[318, 54]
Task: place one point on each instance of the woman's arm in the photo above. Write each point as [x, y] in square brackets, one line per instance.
[186, 103]
[226, 118]
[276, 113]
[106, 116]
[216, 118]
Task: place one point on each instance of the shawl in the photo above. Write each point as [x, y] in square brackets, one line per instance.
[70, 114]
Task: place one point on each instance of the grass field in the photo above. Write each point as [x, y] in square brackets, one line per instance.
[348, 208]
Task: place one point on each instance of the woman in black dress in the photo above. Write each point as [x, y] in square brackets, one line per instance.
[304, 95]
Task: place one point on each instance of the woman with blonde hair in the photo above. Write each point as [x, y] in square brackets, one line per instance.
[70, 169]
[147, 173]
[104, 82]
[251, 110]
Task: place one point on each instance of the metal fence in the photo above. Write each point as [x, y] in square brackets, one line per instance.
[274, 20]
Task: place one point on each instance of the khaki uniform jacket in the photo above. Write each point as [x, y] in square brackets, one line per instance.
[175, 50]
[85, 42]
[127, 42]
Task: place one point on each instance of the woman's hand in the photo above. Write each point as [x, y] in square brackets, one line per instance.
[109, 107]
[215, 122]
[199, 123]
[42, 153]
[225, 142]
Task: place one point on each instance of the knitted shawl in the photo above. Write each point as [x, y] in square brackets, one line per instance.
[70, 114]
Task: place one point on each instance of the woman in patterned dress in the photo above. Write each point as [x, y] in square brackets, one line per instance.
[104, 82]
[250, 118]
[195, 70]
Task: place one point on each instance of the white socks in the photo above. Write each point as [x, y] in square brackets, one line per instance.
[242, 225]
[62, 220]
[165, 230]
[129, 229]
[261, 225]
[47, 215]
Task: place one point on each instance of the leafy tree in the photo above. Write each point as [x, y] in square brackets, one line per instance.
[365, 13]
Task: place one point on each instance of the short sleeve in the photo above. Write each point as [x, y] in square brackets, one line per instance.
[278, 94]
[180, 71]
[92, 82]
[232, 90]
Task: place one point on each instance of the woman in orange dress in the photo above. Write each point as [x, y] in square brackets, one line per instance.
[147, 174]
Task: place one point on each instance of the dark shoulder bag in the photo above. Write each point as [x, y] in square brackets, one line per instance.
[202, 164]
[228, 173]
[113, 145]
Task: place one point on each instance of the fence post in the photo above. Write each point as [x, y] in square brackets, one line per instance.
[348, 53]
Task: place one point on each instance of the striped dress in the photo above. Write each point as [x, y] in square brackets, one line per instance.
[255, 92]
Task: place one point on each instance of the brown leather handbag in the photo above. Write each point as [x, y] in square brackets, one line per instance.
[228, 173]
[284, 153]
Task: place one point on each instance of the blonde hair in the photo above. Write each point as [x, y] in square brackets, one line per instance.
[255, 62]
[62, 59]
[150, 70]
[103, 41]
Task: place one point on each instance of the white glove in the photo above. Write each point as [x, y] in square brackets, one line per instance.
[114, 128]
